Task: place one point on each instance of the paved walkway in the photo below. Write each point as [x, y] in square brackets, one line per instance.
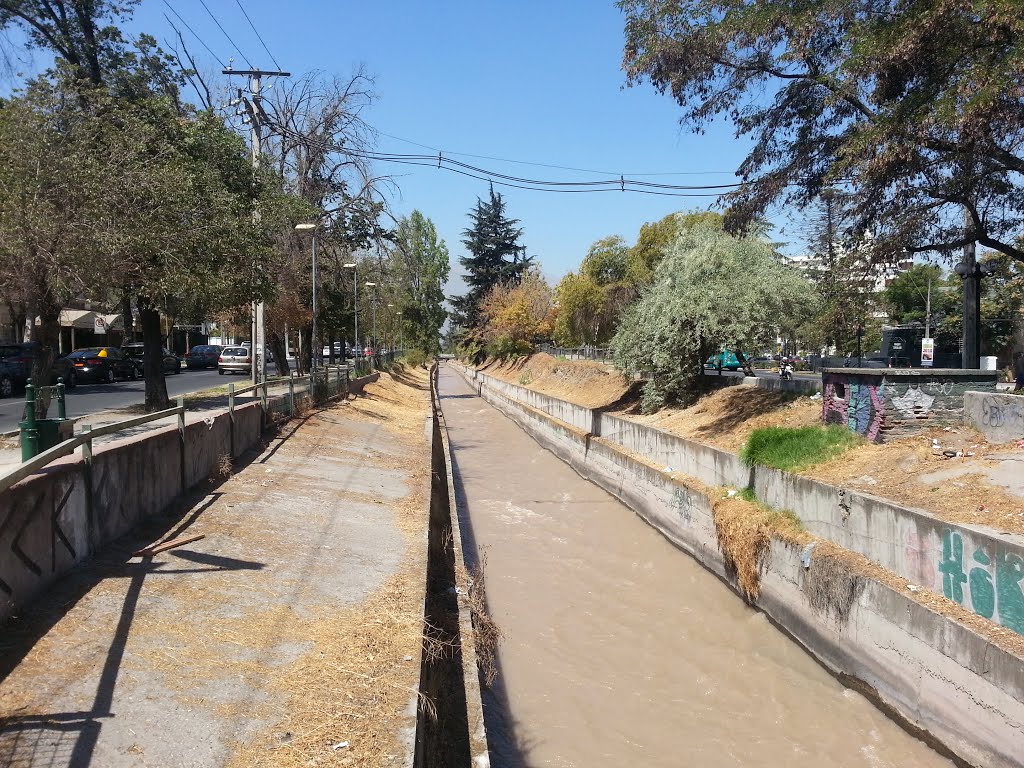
[289, 635]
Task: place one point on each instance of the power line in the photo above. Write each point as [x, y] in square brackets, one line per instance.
[441, 162]
[197, 37]
[557, 167]
[221, 27]
[258, 35]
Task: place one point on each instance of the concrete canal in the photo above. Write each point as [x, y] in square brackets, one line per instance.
[619, 649]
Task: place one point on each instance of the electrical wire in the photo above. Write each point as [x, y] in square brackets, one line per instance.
[557, 167]
[221, 28]
[620, 184]
[196, 36]
[258, 35]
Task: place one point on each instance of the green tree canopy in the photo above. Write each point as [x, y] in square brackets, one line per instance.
[419, 265]
[495, 256]
[711, 289]
[914, 106]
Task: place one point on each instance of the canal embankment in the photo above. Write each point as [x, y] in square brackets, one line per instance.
[868, 600]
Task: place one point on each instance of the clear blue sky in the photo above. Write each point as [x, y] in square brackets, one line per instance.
[527, 80]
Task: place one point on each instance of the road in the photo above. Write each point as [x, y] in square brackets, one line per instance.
[763, 374]
[92, 398]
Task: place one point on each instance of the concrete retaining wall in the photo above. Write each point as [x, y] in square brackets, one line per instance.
[978, 567]
[875, 402]
[937, 675]
[50, 521]
[999, 417]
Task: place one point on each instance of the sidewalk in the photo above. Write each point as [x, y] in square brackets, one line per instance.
[289, 636]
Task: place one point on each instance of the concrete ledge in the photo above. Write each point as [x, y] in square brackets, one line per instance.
[999, 417]
[938, 676]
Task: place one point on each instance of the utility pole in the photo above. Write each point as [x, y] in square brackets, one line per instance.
[967, 270]
[928, 312]
[256, 117]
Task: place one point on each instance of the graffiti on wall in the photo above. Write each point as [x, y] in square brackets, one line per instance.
[23, 514]
[857, 403]
[988, 583]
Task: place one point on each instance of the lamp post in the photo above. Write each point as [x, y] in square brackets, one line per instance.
[373, 301]
[401, 333]
[314, 348]
[971, 272]
[355, 302]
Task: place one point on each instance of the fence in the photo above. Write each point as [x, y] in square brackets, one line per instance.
[602, 354]
[279, 396]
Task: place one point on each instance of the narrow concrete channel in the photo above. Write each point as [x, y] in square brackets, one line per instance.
[618, 648]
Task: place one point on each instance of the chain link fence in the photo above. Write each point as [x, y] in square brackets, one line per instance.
[601, 354]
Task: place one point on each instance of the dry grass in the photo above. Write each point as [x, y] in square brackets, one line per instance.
[745, 530]
[223, 468]
[831, 585]
[589, 383]
[486, 634]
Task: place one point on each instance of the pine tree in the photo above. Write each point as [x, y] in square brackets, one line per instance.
[495, 256]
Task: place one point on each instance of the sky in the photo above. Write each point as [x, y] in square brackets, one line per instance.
[532, 81]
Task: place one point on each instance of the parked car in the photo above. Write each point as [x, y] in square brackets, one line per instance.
[16, 360]
[725, 359]
[102, 364]
[234, 360]
[203, 356]
[171, 363]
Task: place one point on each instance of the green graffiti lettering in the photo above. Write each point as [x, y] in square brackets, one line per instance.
[1009, 572]
[983, 592]
[952, 566]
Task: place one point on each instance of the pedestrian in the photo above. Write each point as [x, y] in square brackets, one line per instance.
[744, 364]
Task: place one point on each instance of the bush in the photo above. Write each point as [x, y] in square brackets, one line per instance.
[506, 346]
[797, 448]
[414, 357]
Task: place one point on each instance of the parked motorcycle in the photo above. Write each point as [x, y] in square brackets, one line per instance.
[786, 371]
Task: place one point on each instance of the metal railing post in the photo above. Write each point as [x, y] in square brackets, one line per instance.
[181, 440]
[291, 393]
[90, 521]
[264, 396]
[231, 419]
[62, 412]
[29, 431]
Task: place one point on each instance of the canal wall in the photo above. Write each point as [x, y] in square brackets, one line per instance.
[941, 678]
[57, 517]
[980, 568]
[999, 417]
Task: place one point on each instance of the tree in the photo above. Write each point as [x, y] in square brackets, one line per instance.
[589, 304]
[318, 149]
[579, 304]
[495, 256]
[419, 269]
[909, 106]
[516, 315]
[711, 289]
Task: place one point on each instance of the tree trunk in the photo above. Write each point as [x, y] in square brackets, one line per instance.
[47, 334]
[305, 362]
[126, 318]
[276, 343]
[152, 359]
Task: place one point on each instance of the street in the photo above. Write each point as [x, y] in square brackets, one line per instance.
[92, 398]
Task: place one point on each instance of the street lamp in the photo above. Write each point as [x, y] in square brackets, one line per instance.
[970, 270]
[373, 300]
[313, 343]
[355, 301]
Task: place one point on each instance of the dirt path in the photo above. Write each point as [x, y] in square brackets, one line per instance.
[289, 636]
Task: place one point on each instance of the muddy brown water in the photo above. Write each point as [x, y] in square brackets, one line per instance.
[621, 650]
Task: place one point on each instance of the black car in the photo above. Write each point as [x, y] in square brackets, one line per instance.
[203, 356]
[16, 367]
[103, 364]
[171, 362]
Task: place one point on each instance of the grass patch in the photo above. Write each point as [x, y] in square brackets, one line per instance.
[797, 448]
